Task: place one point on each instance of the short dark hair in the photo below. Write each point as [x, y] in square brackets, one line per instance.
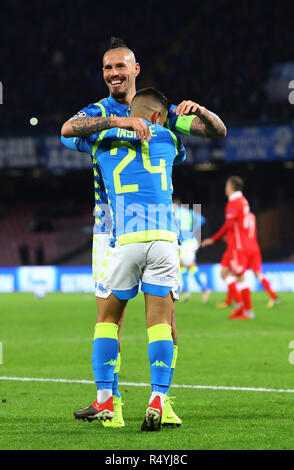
[236, 182]
[154, 93]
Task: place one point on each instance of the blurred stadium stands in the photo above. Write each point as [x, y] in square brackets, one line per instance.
[29, 236]
[219, 52]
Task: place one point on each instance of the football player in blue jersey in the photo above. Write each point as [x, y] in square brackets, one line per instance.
[120, 70]
[143, 248]
[189, 223]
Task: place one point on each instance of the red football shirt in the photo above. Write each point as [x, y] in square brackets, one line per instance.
[250, 232]
[237, 209]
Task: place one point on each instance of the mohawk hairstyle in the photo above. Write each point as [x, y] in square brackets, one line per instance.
[115, 43]
[158, 95]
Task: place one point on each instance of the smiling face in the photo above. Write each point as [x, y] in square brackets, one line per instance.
[119, 72]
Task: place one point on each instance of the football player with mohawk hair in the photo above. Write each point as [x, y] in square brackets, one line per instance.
[120, 70]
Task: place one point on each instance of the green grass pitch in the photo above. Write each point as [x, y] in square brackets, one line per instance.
[52, 338]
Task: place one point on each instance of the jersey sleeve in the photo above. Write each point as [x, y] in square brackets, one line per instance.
[77, 143]
[181, 156]
[171, 118]
[180, 149]
[92, 110]
[233, 210]
[221, 232]
[69, 142]
[231, 215]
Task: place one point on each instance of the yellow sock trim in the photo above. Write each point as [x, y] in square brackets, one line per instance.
[161, 332]
[117, 367]
[106, 330]
[193, 270]
[175, 356]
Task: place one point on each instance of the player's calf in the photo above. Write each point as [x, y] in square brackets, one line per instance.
[160, 353]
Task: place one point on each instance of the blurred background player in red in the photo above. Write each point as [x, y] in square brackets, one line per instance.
[229, 299]
[254, 258]
[254, 262]
[234, 260]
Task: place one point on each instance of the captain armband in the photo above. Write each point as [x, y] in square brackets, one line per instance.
[183, 124]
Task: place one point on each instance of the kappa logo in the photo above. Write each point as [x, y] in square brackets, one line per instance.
[112, 362]
[159, 364]
[101, 288]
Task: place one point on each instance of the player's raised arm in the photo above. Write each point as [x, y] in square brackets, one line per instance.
[219, 234]
[82, 127]
[85, 126]
[207, 124]
[194, 119]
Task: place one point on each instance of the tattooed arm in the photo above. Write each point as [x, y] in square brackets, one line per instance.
[207, 124]
[82, 127]
[204, 124]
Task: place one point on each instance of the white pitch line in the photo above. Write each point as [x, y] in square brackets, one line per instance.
[144, 337]
[135, 384]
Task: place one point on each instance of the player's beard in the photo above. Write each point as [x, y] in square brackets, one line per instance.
[118, 94]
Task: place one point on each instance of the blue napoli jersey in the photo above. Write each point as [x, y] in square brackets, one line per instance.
[107, 107]
[188, 222]
[138, 181]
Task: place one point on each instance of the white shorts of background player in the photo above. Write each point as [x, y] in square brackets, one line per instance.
[188, 252]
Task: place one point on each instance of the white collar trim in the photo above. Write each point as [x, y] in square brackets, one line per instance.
[235, 195]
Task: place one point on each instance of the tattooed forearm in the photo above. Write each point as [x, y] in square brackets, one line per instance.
[82, 127]
[208, 124]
